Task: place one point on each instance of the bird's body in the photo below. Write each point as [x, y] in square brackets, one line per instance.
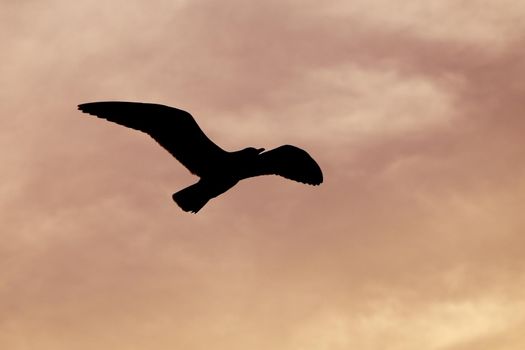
[219, 170]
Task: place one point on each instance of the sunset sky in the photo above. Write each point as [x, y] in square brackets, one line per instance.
[415, 111]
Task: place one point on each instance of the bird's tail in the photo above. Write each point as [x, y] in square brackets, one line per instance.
[192, 198]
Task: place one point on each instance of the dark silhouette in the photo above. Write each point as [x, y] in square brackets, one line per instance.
[219, 170]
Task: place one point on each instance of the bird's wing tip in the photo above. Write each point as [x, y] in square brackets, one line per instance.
[82, 107]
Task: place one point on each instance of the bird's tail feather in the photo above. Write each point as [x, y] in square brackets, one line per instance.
[192, 198]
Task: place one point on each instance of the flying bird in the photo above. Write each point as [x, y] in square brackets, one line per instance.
[219, 170]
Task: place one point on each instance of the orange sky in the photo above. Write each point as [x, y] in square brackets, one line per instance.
[414, 111]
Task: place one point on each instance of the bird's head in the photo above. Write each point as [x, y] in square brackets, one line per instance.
[248, 154]
[253, 151]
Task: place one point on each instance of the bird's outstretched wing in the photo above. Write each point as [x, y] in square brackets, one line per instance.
[290, 162]
[172, 128]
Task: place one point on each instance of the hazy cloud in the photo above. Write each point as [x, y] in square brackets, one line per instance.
[413, 110]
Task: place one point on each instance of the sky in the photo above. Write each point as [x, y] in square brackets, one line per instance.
[413, 109]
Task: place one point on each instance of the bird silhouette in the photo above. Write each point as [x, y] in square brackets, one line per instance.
[219, 170]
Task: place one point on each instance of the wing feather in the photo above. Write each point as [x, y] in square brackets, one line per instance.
[174, 129]
[290, 162]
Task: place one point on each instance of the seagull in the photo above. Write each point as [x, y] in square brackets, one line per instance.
[219, 170]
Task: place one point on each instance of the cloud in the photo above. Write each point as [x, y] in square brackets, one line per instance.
[413, 240]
